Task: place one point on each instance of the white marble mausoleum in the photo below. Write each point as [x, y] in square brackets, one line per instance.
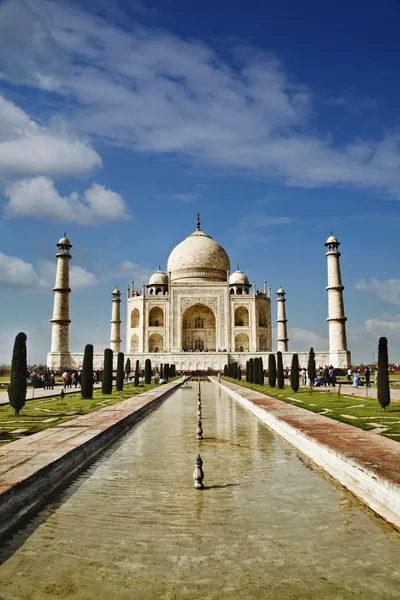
[198, 314]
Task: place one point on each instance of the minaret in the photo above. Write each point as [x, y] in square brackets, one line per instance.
[282, 337]
[336, 318]
[115, 338]
[60, 321]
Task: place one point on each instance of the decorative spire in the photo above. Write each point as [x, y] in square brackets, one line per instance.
[198, 222]
[159, 267]
[237, 267]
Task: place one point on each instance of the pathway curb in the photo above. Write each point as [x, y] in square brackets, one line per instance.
[379, 493]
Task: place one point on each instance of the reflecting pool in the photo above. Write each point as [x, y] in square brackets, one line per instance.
[267, 525]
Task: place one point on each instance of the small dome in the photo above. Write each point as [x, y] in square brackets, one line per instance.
[238, 278]
[116, 292]
[281, 291]
[158, 278]
[64, 241]
[331, 240]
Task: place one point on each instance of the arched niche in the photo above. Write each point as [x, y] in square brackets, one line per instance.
[241, 317]
[156, 342]
[198, 328]
[135, 318]
[134, 343]
[156, 317]
[242, 343]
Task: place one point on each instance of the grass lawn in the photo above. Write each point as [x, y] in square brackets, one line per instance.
[361, 412]
[48, 412]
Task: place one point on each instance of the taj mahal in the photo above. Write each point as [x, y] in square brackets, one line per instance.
[199, 315]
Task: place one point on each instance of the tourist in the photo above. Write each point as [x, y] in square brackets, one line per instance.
[349, 373]
[303, 377]
[367, 374]
[356, 380]
[219, 376]
[156, 378]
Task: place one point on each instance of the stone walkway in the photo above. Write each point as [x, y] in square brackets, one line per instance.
[32, 467]
[373, 455]
[41, 393]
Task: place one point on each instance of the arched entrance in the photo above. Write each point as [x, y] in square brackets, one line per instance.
[198, 329]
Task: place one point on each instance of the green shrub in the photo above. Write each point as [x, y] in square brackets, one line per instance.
[251, 370]
[19, 370]
[137, 373]
[281, 379]
[271, 370]
[128, 368]
[383, 391]
[166, 371]
[261, 373]
[294, 374]
[119, 382]
[311, 369]
[107, 379]
[87, 373]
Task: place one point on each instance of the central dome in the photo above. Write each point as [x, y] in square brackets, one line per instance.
[198, 257]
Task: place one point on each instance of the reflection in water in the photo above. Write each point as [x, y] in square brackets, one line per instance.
[266, 526]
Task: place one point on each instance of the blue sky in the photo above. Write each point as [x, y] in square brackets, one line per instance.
[278, 121]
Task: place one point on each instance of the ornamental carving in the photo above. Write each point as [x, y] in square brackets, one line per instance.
[185, 302]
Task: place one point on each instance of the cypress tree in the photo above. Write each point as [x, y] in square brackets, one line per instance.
[247, 371]
[119, 382]
[261, 373]
[147, 371]
[19, 372]
[235, 370]
[311, 367]
[251, 370]
[281, 379]
[137, 369]
[173, 371]
[161, 371]
[128, 368]
[294, 375]
[271, 370]
[166, 371]
[225, 370]
[383, 389]
[239, 374]
[106, 383]
[87, 373]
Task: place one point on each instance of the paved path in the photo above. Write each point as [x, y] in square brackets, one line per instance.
[32, 394]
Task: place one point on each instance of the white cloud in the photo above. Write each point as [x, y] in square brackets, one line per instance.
[302, 339]
[158, 93]
[129, 270]
[15, 272]
[388, 290]
[38, 198]
[28, 148]
[383, 325]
